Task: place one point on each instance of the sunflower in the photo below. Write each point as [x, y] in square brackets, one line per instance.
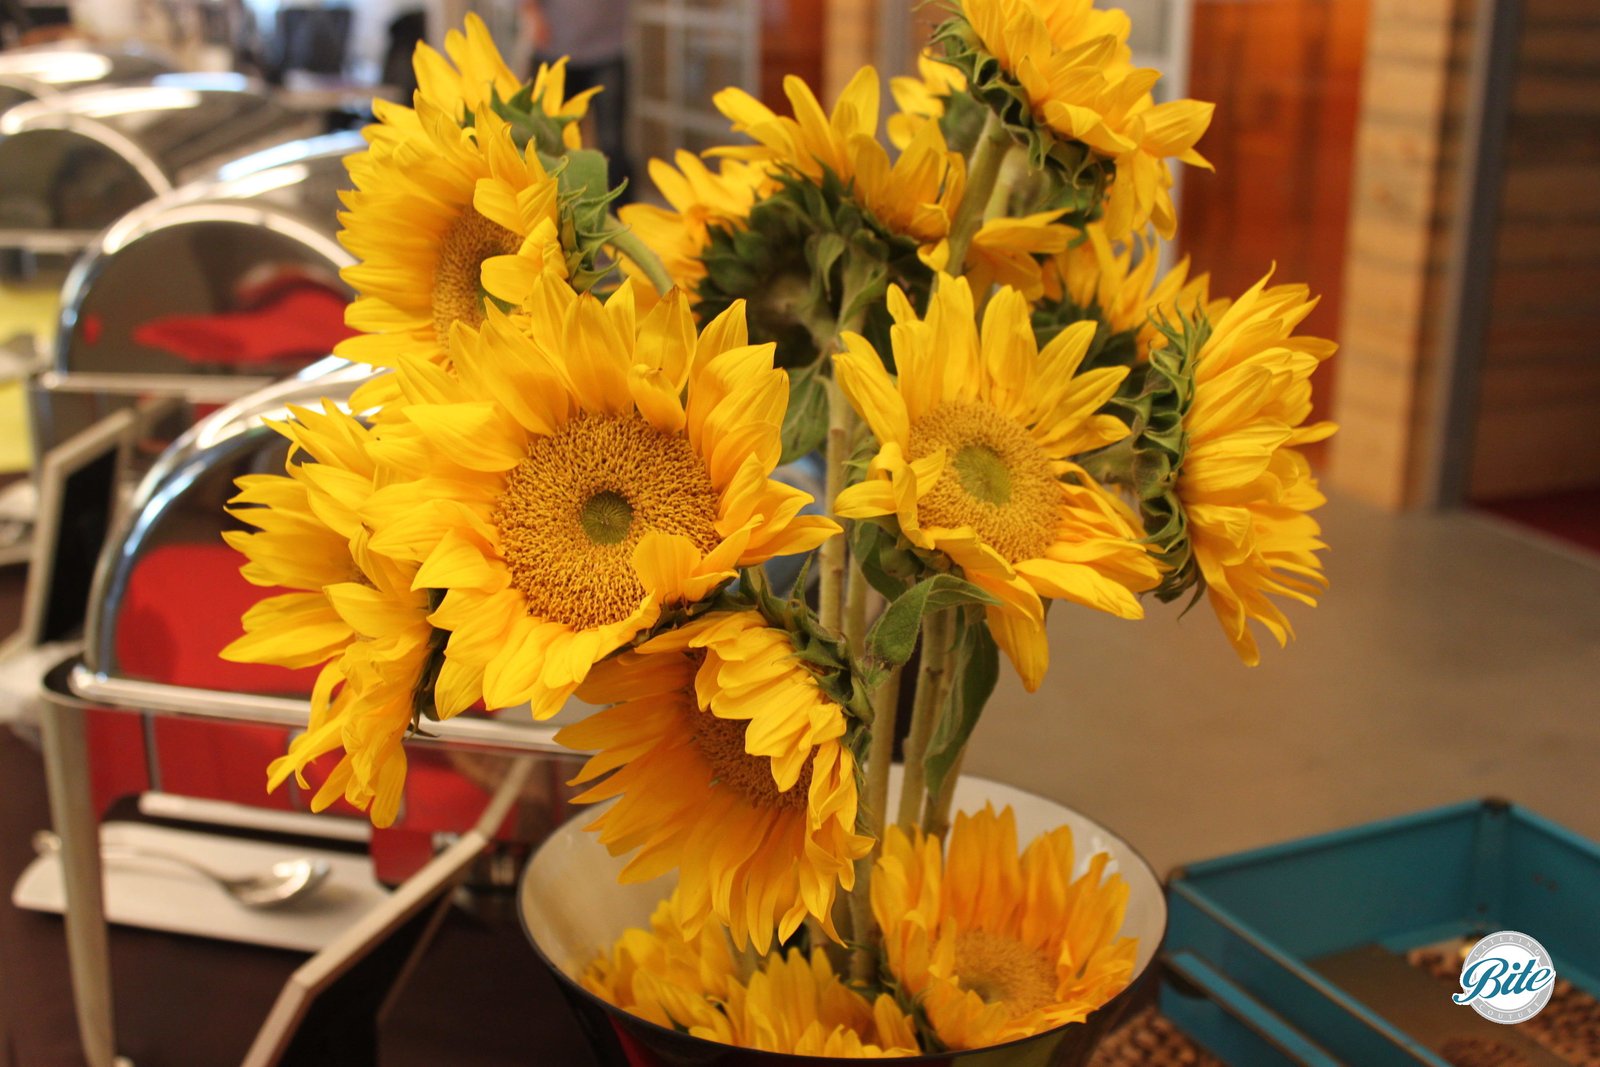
[364, 703]
[481, 216]
[923, 98]
[974, 464]
[915, 197]
[797, 1005]
[561, 492]
[664, 974]
[727, 761]
[349, 608]
[996, 946]
[1119, 287]
[1243, 487]
[792, 1004]
[1060, 72]
[699, 199]
[471, 78]
[476, 77]
[480, 219]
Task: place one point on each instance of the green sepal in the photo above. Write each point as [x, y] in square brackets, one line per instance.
[977, 670]
[584, 197]
[962, 122]
[584, 206]
[1155, 401]
[1108, 348]
[529, 123]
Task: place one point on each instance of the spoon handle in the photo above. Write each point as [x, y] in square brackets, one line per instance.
[45, 842]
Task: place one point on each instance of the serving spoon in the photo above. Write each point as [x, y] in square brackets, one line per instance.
[284, 881]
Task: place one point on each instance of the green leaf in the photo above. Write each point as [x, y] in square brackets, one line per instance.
[889, 568]
[824, 251]
[977, 668]
[894, 635]
[805, 424]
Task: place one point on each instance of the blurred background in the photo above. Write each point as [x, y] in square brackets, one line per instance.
[1428, 167]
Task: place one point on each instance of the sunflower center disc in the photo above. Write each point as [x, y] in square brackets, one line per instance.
[1001, 969]
[721, 742]
[457, 287]
[997, 479]
[607, 517]
[983, 474]
[572, 513]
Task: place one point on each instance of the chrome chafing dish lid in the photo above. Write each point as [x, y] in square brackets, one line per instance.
[72, 164]
[40, 72]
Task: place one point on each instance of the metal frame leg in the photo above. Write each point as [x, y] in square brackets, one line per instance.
[66, 758]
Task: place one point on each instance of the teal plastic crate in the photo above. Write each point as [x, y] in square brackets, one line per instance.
[1250, 936]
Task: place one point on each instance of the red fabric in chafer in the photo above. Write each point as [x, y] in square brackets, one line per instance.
[299, 321]
[182, 606]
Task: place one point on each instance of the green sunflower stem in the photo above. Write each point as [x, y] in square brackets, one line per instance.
[936, 813]
[875, 801]
[988, 158]
[855, 611]
[628, 243]
[932, 685]
[834, 561]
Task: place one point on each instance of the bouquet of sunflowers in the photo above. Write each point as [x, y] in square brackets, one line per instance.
[561, 483]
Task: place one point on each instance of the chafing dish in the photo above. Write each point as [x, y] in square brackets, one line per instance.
[207, 293]
[42, 72]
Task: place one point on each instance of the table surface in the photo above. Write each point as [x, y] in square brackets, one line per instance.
[193, 1002]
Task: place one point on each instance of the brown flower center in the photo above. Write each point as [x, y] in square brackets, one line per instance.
[721, 742]
[1001, 969]
[997, 479]
[457, 287]
[572, 513]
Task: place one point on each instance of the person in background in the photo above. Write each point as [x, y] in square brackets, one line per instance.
[593, 35]
[406, 32]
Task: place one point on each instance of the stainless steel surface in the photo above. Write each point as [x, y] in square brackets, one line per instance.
[197, 388]
[285, 881]
[79, 684]
[71, 164]
[246, 240]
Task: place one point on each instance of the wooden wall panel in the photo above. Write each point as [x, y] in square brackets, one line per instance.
[1286, 77]
[1402, 200]
[791, 43]
[1538, 421]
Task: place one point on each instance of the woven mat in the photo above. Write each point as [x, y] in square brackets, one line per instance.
[1149, 1040]
[1568, 1027]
